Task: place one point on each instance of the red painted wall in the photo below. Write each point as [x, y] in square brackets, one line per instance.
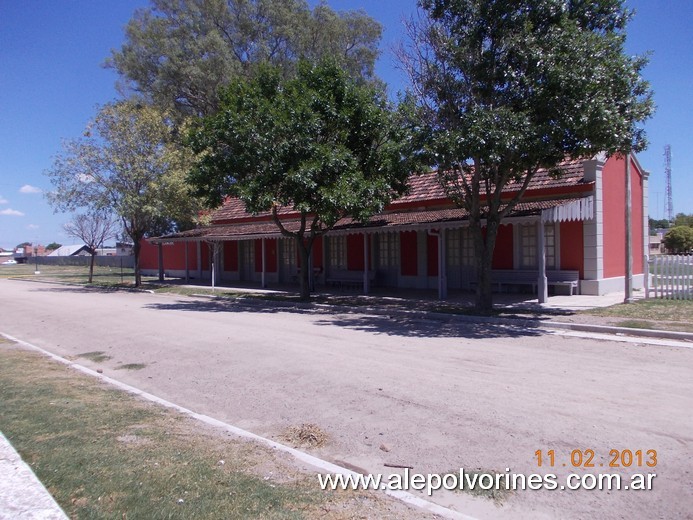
[354, 245]
[231, 256]
[270, 255]
[174, 255]
[572, 247]
[431, 255]
[614, 187]
[503, 252]
[149, 256]
[407, 249]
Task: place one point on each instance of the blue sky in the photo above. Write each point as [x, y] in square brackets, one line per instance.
[52, 79]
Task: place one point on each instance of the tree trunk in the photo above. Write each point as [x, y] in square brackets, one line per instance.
[91, 266]
[483, 249]
[136, 248]
[304, 252]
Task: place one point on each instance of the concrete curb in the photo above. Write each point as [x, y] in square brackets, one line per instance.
[441, 316]
[22, 495]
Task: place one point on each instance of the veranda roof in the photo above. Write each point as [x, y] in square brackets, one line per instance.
[557, 210]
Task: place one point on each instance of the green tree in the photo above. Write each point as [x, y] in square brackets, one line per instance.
[657, 224]
[321, 144]
[679, 239]
[53, 246]
[127, 163]
[181, 52]
[507, 87]
[92, 228]
[682, 219]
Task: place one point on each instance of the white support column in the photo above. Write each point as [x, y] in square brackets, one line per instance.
[366, 262]
[442, 273]
[593, 232]
[629, 235]
[263, 282]
[212, 254]
[187, 272]
[542, 286]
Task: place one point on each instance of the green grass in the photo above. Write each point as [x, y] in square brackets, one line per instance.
[131, 366]
[96, 356]
[651, 313]
[103, 453]
[70, 274]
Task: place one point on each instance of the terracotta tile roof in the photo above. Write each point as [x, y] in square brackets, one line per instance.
[234, 209]
[422, 188]
[250, 230]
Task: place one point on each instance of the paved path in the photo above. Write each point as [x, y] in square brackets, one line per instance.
[22, 496]
[430, 394]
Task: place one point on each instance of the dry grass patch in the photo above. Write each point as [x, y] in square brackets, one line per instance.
[497, 494]
[97, 356]
[131, 366]
[306, 435]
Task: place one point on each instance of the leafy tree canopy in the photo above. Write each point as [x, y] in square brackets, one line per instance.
[181, 52]
[127, 163]
[319, 143]
[53, 246]
[507, 87]
[679, 239]
[657, 224]
[682, 219]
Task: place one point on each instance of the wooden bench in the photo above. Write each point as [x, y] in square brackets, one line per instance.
[554, 278]
[343, 279]
[569, 279]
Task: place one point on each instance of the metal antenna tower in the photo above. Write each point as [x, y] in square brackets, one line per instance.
[667, 171]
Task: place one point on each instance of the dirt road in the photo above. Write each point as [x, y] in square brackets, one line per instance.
[431, 395]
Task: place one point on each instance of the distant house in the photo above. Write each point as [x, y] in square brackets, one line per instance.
[123, 249]
[74, 250]
[423, 241]
[656, 244]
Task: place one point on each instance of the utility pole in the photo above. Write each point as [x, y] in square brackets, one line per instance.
[667, 172]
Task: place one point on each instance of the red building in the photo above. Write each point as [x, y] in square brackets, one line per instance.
[422, 240]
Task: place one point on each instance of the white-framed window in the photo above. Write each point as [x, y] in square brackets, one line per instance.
[466, 247]
[550, 246]
[454, 253]
[338, 257]
[388, 250]
[528, 246]
[288, 252]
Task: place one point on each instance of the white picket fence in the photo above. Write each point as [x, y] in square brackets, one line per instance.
[670, 277]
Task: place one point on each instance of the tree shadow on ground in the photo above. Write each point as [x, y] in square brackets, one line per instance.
[85, 288]
[433, 328]
[418, 325]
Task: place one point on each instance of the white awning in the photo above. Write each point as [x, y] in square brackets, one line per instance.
[582, 209]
